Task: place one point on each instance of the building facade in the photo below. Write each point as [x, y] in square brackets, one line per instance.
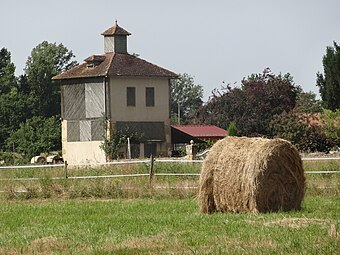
[110, 92]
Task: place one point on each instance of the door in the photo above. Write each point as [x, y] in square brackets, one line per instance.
[150, 148]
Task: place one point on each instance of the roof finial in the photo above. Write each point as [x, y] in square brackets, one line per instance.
[116, 23]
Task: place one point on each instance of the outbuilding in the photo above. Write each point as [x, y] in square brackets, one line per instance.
[114, 91]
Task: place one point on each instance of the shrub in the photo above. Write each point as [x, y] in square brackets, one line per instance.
[37, 135]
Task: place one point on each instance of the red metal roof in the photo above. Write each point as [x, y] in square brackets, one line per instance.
[201, 130]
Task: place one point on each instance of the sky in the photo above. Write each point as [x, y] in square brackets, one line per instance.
[215, 41]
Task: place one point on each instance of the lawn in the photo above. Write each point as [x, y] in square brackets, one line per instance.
[164, 226]
[126, 216]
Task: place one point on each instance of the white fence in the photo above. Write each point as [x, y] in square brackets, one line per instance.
[151, 162]
[151, 173]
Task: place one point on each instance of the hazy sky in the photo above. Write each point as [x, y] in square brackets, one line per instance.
[214, 41]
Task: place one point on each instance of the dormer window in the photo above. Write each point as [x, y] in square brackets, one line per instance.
[90, 65]
[94, 61]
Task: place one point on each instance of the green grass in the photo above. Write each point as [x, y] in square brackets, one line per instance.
[125, 216]
[164, 226]
[322, 165]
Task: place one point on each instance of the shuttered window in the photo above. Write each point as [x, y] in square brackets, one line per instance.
[131, 96]
[150, 96]
[85, 130]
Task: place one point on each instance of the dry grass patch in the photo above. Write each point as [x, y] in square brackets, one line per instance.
[40, 246]
[155, 244]
[46, 245]
[144, 242]
[297, 222]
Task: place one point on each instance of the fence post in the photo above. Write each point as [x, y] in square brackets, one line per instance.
[151, 171]
[65, 169]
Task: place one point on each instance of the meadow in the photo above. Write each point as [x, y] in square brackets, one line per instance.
[127, 216]
[164, 226]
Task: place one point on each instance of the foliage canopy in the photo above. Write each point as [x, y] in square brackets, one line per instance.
[37, 135]
[253, 105]
[329, 81]
[186, 95]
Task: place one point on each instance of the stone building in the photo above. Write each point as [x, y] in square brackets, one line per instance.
[121, 90]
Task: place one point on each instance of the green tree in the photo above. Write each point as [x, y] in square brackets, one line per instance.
[13, 111]
[301, 131]
[186, 95]
[307, 103]
[304, 126]
[22, 84]
[232, 129]
[329, 81]
[331, 124]
[46, 60]
[13, 104]
[7, 69]
[117, 140]
[37, 135]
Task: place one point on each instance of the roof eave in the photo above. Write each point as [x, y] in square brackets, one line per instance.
[77, 77]
[144, 76]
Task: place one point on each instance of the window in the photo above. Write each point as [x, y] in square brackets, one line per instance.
[150, 96]
[85, 130]
[131, 96]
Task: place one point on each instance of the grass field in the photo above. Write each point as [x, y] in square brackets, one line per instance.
[125, 216]
[165, 226]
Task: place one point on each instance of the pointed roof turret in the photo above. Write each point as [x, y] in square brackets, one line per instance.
[115, 39]
[115, 30]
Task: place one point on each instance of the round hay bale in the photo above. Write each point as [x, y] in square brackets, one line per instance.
[38, 160]
[243, 174]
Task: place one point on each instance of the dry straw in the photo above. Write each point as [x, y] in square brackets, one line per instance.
[251, 175]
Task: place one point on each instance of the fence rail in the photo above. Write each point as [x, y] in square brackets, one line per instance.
[151, 163]
[151, 173]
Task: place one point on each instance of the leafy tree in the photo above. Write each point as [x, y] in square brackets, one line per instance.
[307, 103]
[223, 106]
[22, 84]
[12, 159]
[7, 69]
[13, 106]
[302, 132]
[304, 126]
[117, 140]
[187, 95]
[14, 110]
[329, 82]
[331, 124]
[232, 129]
[253, 105]
[267, 95]
[46, 60]
[37, 135]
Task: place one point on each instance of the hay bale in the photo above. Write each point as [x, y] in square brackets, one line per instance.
[243, 174]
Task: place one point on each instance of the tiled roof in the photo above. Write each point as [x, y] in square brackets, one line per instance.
[115, 64]
[115, 30]
[128, 65]
[201, 130]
